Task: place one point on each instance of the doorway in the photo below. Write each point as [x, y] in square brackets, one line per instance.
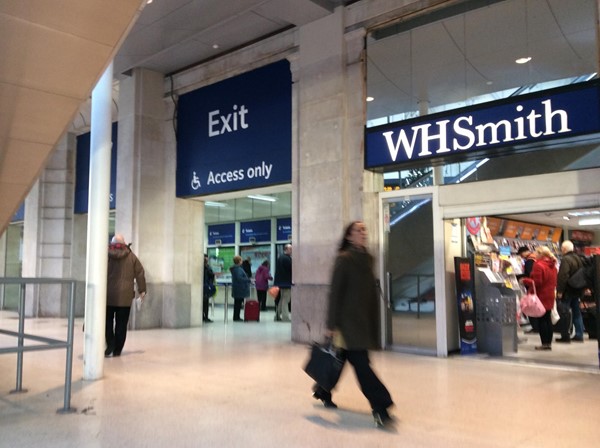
[408, 261]
[507, 234]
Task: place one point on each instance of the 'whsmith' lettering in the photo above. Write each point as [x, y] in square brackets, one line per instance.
[220, 124]
[532, 125]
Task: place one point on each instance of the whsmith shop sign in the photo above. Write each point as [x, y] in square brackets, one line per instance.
[519, 122]
[236, 134]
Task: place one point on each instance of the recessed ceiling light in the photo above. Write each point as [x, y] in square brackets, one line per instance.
[369, 99]
[489, 83]
[215, 204]
[589, 221]
[523, 60]
[566, 218]
[585, 213]
[262, 197]
[215, 46]
[149, 1]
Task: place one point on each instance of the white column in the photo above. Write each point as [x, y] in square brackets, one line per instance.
[97, 235]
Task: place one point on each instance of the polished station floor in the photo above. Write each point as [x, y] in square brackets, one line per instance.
[242, 385]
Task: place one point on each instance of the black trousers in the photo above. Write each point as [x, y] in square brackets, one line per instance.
[117, 318]
[237, 307]
[262, 299]
[546, 328]
[370, 385]
[205, 307]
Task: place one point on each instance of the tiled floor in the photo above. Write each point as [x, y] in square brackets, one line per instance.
[241, 385]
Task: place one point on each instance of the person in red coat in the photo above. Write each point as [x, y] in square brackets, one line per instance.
[544, 275]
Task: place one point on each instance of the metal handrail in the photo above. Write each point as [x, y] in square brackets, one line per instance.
[49, 343]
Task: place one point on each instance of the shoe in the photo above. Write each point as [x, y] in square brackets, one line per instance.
[108, 352]
[237, 320]
[563, 340]
[326, 400]
[543, 347]
[207, 320]
[576, 339]
[117, 354]
[382, 419]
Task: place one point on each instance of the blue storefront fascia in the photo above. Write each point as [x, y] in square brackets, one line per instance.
[581, 103]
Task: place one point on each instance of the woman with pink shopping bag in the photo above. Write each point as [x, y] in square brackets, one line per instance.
[543, 282]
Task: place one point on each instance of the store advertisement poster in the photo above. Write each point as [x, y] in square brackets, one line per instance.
[236, 134]
[465, 285]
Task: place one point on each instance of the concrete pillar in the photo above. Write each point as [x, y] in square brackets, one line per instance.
[97, 235]
[31, 247]
[329, 108]
[166, 233]
[47, 233]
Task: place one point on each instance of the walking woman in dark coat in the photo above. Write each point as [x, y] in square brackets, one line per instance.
[352, 319]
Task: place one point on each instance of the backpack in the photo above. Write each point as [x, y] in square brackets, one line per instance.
[583, 277]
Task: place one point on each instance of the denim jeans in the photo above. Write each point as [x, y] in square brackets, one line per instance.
[573, 301]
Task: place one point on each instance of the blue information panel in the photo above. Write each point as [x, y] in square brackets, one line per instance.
[236, 134]
[82, 171]
[20, 214]
[255, 231]
[520, 122]
[284, 229]
[221, 234]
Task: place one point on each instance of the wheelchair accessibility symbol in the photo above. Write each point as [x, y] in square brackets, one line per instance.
[195, 181]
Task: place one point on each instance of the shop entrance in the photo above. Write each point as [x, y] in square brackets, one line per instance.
[408, 266]
[492, 244]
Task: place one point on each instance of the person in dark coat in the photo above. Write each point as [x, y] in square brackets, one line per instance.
[123, 269]
[352, 319]
[568, 296]
[208, 289]
[544, 275]
[283, 279]
[247, 267]
[240, 287]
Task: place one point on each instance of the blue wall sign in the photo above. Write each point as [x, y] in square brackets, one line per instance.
[82, 171]
[524, 120]
[20, 214]
[221, 234]
[255, 231]
[236, 134]
[284, 229]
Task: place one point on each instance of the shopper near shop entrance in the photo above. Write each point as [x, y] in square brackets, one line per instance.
[124, 269]
[353, 317]
[543, 276]
[569, 297]
[283, 279]
[528, 259]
